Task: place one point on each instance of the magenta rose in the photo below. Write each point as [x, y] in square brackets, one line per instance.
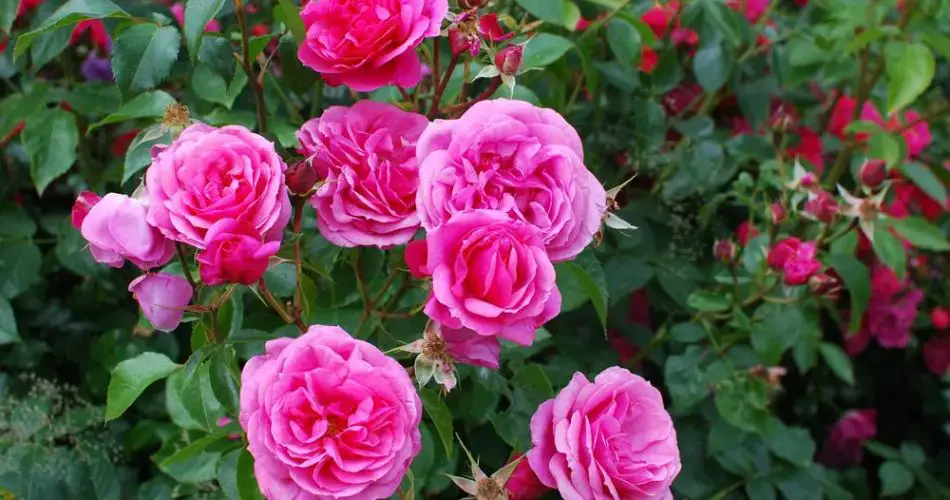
[366, 156]
[235, 253]
[211, 174]
[516, 158]
[490, 274]
[606, 439]
[329, 417]
[371, 43]
[163, 298]
[116, 229]
[844, 445]
[468, 347]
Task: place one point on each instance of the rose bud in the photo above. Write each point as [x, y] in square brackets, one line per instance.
[821, 206]
[301, 177]
[724, 251]
[873, 173]
[940, 317]
[826, 285]
[508, 59]
[777, 212]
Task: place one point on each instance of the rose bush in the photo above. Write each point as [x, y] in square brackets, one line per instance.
[441, 249]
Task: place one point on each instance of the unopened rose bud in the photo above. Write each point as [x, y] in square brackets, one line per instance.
[873, 173]
[724, 251]
[821, 206]
[458, 42]
[301, 177]
[508, 60]
[940, 317]
[826, 285]
[777, 212]
[809, 180]
[471, 4]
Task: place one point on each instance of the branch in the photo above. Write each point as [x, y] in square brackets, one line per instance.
[180, 251]
[481, 97]
[246, 64]
[437, 97]
[278, 308]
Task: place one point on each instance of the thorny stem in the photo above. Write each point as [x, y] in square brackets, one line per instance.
[434, 109]
[278, 308]
[247, 65]
[180, 251]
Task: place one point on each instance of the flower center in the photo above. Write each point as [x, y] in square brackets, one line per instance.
[433, 347]
[335, 425]
[488, 489]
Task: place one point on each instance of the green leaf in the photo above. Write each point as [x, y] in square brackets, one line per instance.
[926, 180]
[896, 479]
[794, 444]
[19, 267]
[624, 40]
[626, 273]
[8, 14]
[687, 333]
[299, 78]
[148, 105]
[723, 18]
[8, 329]
[294, 21]
[743, 402]
[552, 11]
[712, 66]
[217, 53]
[50, 139]
[48, 46]
[544, 50]
[441, 418]
[197, 15]
[131, 377]
[246, 483]
[684, 380]
[921, 233]
[910, 69]
[776, 329]
[212, 88]
[857, 278]
[94, 99]
[588, 275]
[193, 449]
[143, 56]
[69, 13]
[14, 108]
[707, 301]
[838, 361]
[889, 249]
[885, 147]
[139, 154]
[224, 379]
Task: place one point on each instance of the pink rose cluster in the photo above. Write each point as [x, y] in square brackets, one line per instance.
[502, 193]
[797, 260]
[219, 190]
[329, 417]
[890, 313]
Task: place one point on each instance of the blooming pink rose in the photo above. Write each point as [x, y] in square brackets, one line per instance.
[365, 155]
[821, 206]
[235, 254]
[329, 417]
[890, 314]
[523, 483]
[937, 355]
[516, 158]
[490, 274]
[369, 44]
[468, 347]
[178, 10]
[81, 207]
[796, 259]
[918, 136]
[116, 229]
[211, 174]
[844, 444]
[162, 297]
[607, 439]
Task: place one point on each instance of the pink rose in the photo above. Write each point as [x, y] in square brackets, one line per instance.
[890, 313]
[516, 158]
[211, 174]
[844, 444]
[468, 347]
[116, 229]
[490, 274]
[329, 417]
[796, 259]
[610, 439]
[81, 207]
[369, 44]
[162, 297]
[234, 254]
[365, 155]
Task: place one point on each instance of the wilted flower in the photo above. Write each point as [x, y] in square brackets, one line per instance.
[821, 206]
[484, 487]
[866, 210]
[724, 251]
[442, 347]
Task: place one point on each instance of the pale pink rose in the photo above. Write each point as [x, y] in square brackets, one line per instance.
[211, 174]
[490, 274]
[607, 439]
[178, 10]
[162, 297]
[516, 158]
[468, 347]
[328, 417]
[371, 43]
[235, 253]
[844, 444]
[116, 230]
[365, 155]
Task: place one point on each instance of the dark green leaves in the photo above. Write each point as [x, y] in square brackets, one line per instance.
[857, 279]
[838, 361]
[920, 233]
[889, 249]
[910, 69]
[8, 328]
[707, 301]
[712, 65]
[777, 328]
[441, 418]
[896, 479]
[197, 15]
[743, 402]
[131, 377]
[624, 40]
[544, 49]
[143, 55]
[147, 105]
[50, 138]
[585, 276]
[71, 12]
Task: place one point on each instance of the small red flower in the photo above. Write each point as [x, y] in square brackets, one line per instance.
[746, 232]
[940, 317]
[649, 59]
[121, 143]
[796, 259]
